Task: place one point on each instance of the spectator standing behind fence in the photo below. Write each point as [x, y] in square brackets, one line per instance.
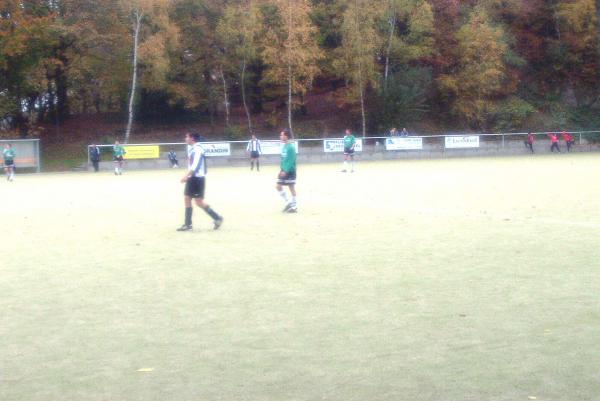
[568, 138]
[95, 157]
[393, 132]
[554, 140]
[173, 158]
[404, 133]
[530, 141]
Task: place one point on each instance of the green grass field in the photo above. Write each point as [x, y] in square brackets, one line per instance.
[465, 279]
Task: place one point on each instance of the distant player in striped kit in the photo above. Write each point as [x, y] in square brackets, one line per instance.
[195, 183]
[255, 151]
[9, 161]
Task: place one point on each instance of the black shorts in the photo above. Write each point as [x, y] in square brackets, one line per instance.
[254, 154]
[290, 179]
[9, 163]
[118, 159]
[349, 151]
[194, 187]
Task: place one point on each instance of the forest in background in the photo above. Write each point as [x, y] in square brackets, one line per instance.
[490, 65]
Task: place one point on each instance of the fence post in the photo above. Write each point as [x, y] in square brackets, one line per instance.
[502, 141]
[88, 158]
[38, 156]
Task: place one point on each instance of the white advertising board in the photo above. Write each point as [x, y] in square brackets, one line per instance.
[337, 145]
[274, 147]
[404, 143]
[461, 142]
[214, 149]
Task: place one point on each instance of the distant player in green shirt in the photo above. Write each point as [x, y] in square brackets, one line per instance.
[9, 161]
[118, 154]
[349, 145]
[287, 175]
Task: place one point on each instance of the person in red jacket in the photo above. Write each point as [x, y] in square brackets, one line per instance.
[568, 138]
[530, 141]
[554, 140]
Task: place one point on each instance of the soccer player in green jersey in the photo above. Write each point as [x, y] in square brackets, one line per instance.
[349, 145]
[118, 154]
[287, 175]
[9, 161]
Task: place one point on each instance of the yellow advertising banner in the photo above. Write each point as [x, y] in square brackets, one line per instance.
[142, 152]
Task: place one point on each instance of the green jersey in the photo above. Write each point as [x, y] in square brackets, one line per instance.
[288, 158]
[118, 151]
[9, 155]
[349, 141]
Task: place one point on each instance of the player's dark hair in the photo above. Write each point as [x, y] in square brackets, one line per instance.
[195, 136]
[286, 132]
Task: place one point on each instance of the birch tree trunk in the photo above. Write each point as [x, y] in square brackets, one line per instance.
[362, 102]
[136, 36]
[360, 73]
[243, 87]
[289, 61]
[225, 96]
[389, 48]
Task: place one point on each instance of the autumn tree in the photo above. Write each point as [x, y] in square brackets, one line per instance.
[237, 35]
[579, 38]
[152, 35]
[291, 52]
[360, 44]
[479, 81]
[26, 42]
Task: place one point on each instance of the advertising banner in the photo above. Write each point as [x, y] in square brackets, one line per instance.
[274, 147]
[141, 152]
[337, 145]
[216, 149]
[404, 143]
[461, 142]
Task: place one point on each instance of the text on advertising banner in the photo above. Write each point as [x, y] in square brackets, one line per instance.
[337, 145]
[460, 142]
[216, 149]
[404, 143]
[274, 147]
[142, 152]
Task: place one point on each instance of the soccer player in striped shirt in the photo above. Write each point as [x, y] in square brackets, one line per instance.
[195, 183]
[287, 175]
[255, 151]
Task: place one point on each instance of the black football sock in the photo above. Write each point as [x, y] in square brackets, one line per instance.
[188, 216]
[212, 213]
[257, 166]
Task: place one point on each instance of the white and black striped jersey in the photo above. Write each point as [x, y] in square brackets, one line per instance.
[254, 146]
[197, 160]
